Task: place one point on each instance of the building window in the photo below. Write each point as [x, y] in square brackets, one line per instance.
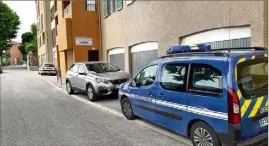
[106, 8]
[37, 7]
[111, 6]
[53, 38]
[41, 22]
[52, 13]
[39, 41]
[118, 4]
[56, 20]
[55, 5]
[90, 5]
[43, 38]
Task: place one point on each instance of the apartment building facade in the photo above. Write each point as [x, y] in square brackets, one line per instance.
[75, 32]
[44, 42]
[137, 32]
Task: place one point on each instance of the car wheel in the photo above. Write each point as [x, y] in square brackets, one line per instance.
[69, 88]
[90, 93]
[127, 109]
[203, 135]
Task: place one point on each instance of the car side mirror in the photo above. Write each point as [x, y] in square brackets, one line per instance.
[133, 84]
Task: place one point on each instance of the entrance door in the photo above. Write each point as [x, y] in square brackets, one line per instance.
[93, 55]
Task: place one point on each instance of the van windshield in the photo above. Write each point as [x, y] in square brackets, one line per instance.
[253, 78]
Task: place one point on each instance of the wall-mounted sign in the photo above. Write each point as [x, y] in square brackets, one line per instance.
[83, 41]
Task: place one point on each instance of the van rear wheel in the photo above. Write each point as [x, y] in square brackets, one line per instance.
[203, 135]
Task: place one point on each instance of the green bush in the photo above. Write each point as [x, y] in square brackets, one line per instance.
[6, 63]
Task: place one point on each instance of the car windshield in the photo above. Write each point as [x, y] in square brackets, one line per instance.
[253, 78]
[101, 67]
[48, 65]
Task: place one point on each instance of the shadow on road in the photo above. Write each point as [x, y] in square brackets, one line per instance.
[101, 98]
[14, 67]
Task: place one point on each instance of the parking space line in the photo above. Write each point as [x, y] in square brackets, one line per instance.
[119, 114]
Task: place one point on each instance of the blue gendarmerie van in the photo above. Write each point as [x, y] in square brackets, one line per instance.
[215, 97]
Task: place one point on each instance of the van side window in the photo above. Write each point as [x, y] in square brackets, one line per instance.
[174, 77]
[205, 80]
[147, 76]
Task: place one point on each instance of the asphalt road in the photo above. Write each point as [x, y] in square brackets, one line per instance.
[35, 113]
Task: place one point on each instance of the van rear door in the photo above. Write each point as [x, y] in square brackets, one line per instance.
[252, 83]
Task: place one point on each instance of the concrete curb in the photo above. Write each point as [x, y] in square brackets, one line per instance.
[119, 114]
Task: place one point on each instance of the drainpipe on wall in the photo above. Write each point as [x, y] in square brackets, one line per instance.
[100, 30]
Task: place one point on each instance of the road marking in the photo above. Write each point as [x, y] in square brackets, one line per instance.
[147, 125]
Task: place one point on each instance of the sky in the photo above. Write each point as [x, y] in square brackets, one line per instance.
[27, 13]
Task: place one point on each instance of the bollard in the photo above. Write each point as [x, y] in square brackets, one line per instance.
[59, 76]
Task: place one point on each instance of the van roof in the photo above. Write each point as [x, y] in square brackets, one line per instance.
[218, 54]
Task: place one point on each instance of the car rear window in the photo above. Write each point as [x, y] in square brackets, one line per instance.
[252, 78]
[48, 65]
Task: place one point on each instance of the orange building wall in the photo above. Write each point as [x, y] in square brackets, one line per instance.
[86, 25]
[78, 23]
[62, 64]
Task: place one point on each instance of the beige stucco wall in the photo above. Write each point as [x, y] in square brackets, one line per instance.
[167, 21]
[44, 9]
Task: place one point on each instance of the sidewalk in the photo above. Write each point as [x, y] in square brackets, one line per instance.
[53, 80]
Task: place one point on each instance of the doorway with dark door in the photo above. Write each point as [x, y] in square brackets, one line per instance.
[93, 55]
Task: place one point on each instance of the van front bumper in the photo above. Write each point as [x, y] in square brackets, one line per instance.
[234, 135]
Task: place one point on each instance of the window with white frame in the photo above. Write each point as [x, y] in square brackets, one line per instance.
[90, 5]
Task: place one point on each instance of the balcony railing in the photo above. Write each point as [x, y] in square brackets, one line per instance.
[67, 9]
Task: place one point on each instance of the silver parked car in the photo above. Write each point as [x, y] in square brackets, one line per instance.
[95, 78]
[48, 69]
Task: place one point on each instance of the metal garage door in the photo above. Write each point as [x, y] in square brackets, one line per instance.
[235, 43]
[221, 38]
[116, 57]
[143, 54]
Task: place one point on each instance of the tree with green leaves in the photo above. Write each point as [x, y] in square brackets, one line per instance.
[29, 41]
[9, 25]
